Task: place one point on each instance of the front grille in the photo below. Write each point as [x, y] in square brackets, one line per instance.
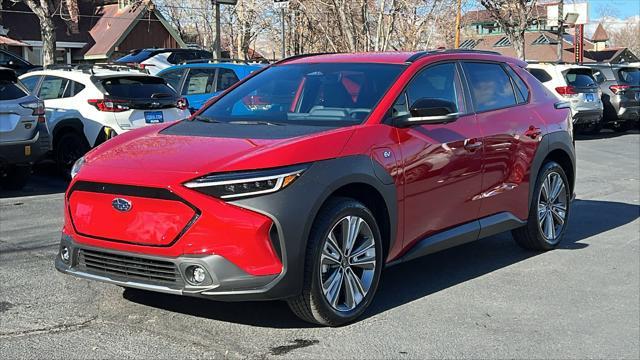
[127, 267]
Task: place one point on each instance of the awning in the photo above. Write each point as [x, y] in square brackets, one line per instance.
[11, 42]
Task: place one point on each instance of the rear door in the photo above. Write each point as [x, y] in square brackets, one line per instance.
[16, 122]
[199, 86]
[511, 131]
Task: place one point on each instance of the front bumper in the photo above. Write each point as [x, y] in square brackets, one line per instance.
[25, 152]
[161, 274]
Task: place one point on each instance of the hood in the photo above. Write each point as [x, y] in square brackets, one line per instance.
[194, 148]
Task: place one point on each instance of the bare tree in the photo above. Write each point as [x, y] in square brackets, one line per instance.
[45, 10]
[513, 16]
[627, 36]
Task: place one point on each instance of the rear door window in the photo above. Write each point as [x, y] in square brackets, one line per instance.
[54, 87]
[199, 81]
[490, 85]
[630, 76]
[10, 90]
[137, 87]
[226, 78]
[580, 78]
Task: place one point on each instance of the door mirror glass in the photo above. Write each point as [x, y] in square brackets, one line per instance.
[430, 111]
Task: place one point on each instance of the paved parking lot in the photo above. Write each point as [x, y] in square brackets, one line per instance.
[488, 299]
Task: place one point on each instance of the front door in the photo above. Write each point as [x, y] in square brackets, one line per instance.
[441, 163]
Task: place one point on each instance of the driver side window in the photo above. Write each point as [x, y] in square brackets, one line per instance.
[434, 82]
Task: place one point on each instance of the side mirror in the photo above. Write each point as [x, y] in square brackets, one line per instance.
[427, 111]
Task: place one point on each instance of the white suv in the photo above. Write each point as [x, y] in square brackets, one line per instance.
[575, 84]
[87, 105]
[156, 60]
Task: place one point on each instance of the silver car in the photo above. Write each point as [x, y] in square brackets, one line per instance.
[24, 137]
[620, 85]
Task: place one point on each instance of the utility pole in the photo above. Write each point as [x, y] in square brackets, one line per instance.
[458, 15]
[218, 37]
[284, 44]
[560, 28]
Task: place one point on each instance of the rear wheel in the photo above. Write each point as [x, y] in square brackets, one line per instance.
[69, 148]
[16, 177]
[549, 210]
[342, 265]
[623, 126]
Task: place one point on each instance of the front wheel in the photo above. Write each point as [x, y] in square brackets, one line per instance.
[342, 266]
[549, 212]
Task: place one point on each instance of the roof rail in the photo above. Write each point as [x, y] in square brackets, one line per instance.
[223, 60]
[422, 54]
[90, 68]
[300, 56]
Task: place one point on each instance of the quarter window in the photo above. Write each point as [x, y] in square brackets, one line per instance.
[540, 74]
[521, 90]
[490, 86]
[226, 78]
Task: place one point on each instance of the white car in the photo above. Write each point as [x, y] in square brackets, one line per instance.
[575, 84]
[156, 60]
[87, 105]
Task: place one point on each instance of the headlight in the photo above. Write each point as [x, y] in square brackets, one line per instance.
[247, 183]
[75, 169]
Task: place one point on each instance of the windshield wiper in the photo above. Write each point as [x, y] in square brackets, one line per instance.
[255, 122]
[206, 119]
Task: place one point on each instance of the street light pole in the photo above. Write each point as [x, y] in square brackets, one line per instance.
[560, 29]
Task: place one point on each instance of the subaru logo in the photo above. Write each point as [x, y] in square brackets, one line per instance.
[121, 204]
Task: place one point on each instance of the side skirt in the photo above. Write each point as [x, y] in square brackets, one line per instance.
[462, 234]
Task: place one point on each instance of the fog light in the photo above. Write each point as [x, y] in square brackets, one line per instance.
[196, 274]
[65, 255]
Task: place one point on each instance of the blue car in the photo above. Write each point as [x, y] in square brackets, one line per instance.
[200, 81]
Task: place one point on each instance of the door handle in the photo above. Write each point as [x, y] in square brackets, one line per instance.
[533, 132]
[472, 144]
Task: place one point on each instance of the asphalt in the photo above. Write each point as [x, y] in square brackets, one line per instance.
[488, 299]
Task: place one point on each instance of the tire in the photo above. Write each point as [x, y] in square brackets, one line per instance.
[16, 177]
[70, 147]
[321, 266]
[624, 126]
[536, 234]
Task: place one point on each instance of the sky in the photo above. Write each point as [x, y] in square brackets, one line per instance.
[622, 9]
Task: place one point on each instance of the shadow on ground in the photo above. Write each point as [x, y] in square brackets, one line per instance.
[605, 134]
[409, 281]
[44, 180]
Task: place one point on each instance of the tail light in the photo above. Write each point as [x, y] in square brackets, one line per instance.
[109, 105]
[182, 104]
[38, 109]
[566, 91]
[619, 89]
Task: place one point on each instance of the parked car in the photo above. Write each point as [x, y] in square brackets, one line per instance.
[156, 60]
[620, 86]
[576, 84]
[87, 105]
[308, 178]
[23, 131]
[14, 62]
[200, 80]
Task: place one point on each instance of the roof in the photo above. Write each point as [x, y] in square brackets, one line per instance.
[544, 49]
[600, 34]
[362, 57]
[114, 25]
[612, 55]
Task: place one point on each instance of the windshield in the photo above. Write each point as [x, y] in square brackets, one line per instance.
[137, 87]
[630, 75]
[325, 94]
[136, 56]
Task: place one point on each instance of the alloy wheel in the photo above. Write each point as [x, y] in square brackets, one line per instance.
[348, 263]
[552, 207]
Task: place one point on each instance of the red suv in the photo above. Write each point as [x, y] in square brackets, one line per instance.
[304, 180]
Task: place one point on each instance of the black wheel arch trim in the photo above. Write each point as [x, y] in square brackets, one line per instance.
[303, 201]
[73, 123]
